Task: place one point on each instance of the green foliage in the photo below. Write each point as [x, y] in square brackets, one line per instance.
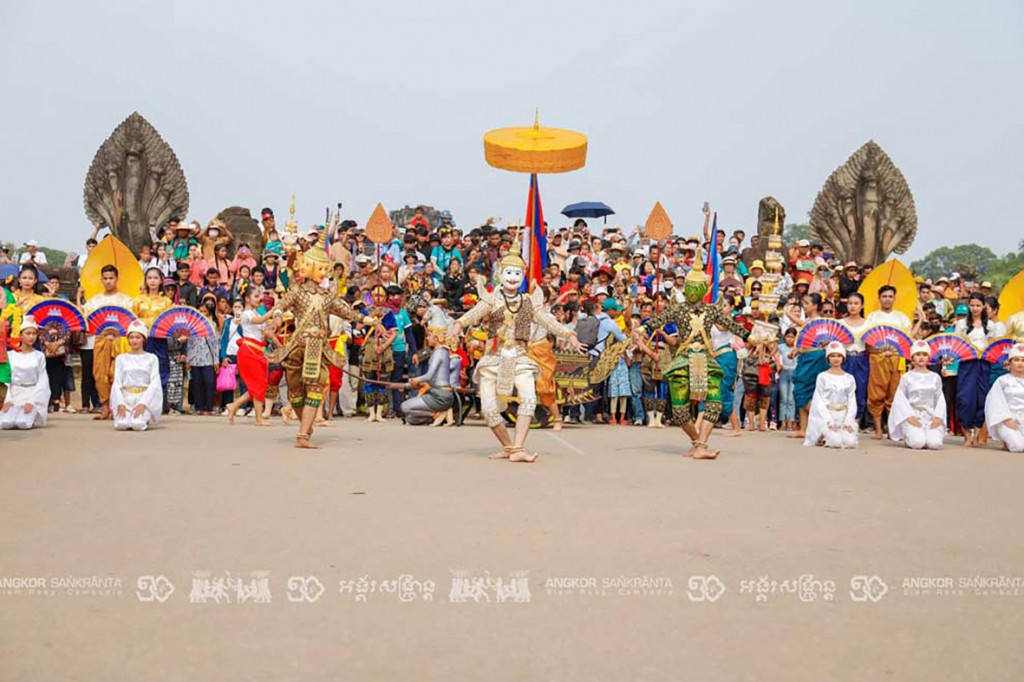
[796, 231]
[54, 257]
[947, 259]
[989, 266]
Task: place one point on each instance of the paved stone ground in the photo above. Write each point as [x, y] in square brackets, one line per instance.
[604, 506]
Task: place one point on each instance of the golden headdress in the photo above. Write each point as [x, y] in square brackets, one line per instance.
[513, 259]
[696, 275]
[318, 252]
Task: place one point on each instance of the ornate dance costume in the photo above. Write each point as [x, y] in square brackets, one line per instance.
[439, 397]
[136, 382]
[29, 387]
[506, 366]
[832, 421]
[377, 360]
[693, 374]
[655, 388]
[307, 352]
[919, 394]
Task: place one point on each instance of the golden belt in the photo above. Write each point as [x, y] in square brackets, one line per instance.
[135, 390]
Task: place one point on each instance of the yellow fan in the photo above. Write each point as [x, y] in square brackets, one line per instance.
[1011, 298]
[111, 251]
[894, 273]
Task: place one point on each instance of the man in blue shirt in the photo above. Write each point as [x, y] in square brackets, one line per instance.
[607, 327]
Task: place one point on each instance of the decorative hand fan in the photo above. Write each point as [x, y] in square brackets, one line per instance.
[110, 317]
[180, 318]
[949, 346]
[998, 350]
[820, 333]
[881, 336]
[60, 311]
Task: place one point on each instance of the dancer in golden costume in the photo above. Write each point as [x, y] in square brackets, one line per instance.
[307, 352]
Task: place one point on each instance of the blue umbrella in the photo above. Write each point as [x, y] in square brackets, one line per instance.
[8, 269]
[588, 209]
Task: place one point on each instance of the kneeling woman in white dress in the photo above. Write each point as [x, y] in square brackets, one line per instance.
[29, 395]
[832, 420]
[136, 397]
[918, 414]
[1004, 406]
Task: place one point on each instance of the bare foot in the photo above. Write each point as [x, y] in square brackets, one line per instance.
[762, 428]
[501, 454]
[557, 426]
[878, 435]
[231, 410]
[521, 455]
[704, 453]
[304, 444]
[796, 434]
[262, 421]
[733, 433]
[439, 419]
[103, 415]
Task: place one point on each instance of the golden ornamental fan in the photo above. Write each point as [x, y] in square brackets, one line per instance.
[658, 226]
[607, 360]
[378, 228]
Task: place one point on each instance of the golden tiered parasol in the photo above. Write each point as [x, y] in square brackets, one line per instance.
[535, 149]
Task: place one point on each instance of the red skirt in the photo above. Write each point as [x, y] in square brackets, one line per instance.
[252, 365]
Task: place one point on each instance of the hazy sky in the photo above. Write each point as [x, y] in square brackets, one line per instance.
[388, 101]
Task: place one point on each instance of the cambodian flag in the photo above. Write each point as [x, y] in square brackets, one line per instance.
[535, 239]
[711, 263]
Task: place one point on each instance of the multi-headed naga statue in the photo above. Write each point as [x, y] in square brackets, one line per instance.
[135, 181]
[865, 210]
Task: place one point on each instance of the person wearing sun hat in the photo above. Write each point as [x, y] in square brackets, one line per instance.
[136, 395]
[918, 414]
[25, 404]
[1004, 405]
[832, 420]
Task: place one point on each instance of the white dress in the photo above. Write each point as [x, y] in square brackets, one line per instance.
[1005, 400]
[834, 405]
[29, 386]
[136, 382]
[918, 395]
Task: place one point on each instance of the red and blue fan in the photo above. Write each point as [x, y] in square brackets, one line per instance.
[109, 317]
[883, 336]
[998, 350]
[820, 333]
[178, 319]
[949, 347]
[59, 311]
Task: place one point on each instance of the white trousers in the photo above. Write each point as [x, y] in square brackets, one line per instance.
[130, 423]
[1014, 439]
[15, 418]
[840, 439]
[920, 437]
[492, 406]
